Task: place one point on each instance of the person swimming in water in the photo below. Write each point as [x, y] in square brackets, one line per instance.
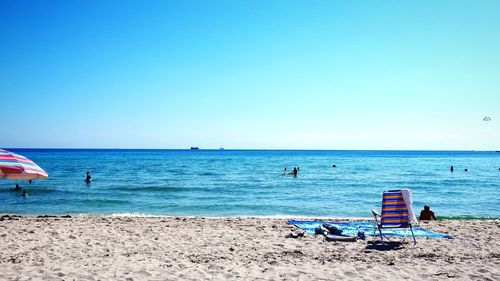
[88, 177]
[24, 194]
[427, 214]
[295, 171]
[451, 169]
[17, 188]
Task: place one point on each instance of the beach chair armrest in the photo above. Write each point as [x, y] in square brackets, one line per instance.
[375, 213]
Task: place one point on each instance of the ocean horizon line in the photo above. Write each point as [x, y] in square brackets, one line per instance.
[243, 149]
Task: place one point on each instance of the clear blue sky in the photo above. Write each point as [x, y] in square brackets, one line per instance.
[250, 74]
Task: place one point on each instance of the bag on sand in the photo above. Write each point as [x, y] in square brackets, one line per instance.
[332, 229]
[334, 234]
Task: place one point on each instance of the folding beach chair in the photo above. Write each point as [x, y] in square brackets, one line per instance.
[397, 212]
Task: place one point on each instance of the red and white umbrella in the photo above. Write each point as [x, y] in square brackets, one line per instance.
[14, 166]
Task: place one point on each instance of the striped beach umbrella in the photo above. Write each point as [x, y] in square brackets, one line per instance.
[17, 167]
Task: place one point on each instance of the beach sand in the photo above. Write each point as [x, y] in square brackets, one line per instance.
[169, 248]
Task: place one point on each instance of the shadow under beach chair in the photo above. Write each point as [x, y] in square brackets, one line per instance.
[385, 246]
[397, 212]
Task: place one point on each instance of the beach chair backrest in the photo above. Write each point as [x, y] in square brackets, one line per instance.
[394, 210]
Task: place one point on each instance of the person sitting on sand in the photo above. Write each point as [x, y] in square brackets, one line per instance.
[427, 214]
[88, 177]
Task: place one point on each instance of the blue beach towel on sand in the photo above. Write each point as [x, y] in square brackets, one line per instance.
[351, 229]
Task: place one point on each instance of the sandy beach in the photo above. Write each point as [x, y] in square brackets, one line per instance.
[170, 248]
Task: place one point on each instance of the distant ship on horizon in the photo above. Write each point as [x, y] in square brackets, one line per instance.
[194, 148]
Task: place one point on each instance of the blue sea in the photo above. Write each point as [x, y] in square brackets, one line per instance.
[250, 182]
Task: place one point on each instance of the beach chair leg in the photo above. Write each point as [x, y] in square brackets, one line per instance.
[413, 234]
[375, 226]
[404, 236]
[381, 236]
[374, 232]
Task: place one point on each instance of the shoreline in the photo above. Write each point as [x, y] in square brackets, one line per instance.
[173, 248]
[284, 217]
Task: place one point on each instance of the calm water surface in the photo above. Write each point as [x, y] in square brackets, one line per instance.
[250, 182]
